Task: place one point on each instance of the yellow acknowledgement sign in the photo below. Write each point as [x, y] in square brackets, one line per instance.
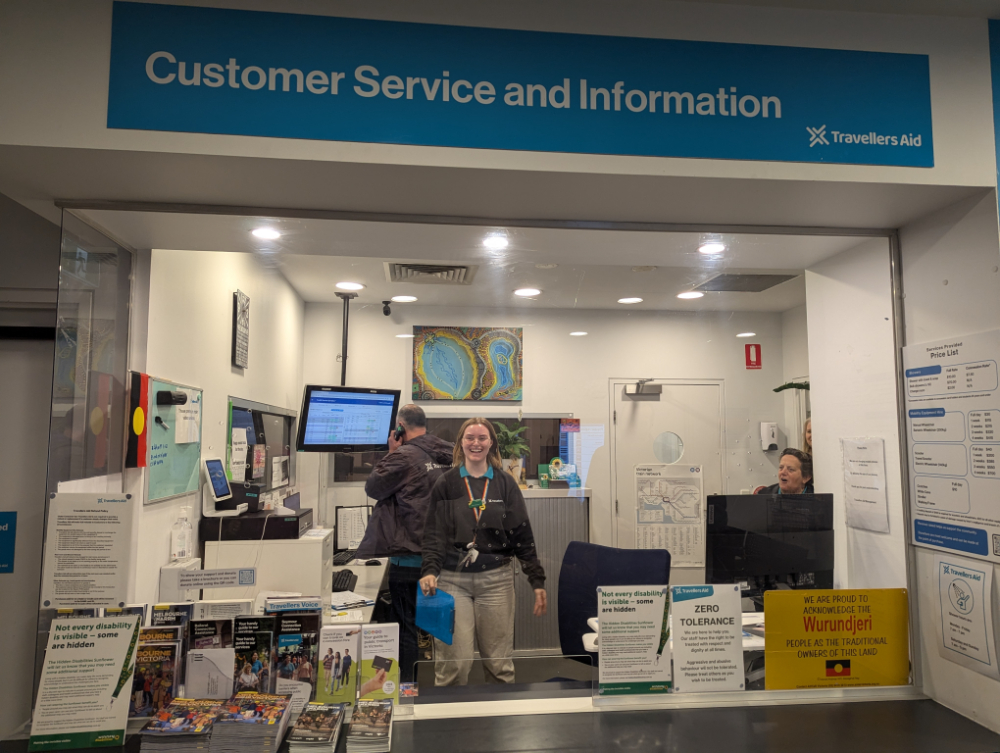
[836, 639]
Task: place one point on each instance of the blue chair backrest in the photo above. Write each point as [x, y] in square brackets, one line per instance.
[587, 566]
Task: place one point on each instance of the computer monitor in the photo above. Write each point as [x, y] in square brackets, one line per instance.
[769, 541]
[346, 419]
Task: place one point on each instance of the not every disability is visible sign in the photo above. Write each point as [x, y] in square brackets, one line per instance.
[209, 70]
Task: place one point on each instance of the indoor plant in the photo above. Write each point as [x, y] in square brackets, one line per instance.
[512, 447]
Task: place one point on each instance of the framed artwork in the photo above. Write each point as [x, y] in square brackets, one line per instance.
[467, 363]
[241, 329]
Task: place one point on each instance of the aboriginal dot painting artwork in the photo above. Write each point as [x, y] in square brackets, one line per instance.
[467, 363]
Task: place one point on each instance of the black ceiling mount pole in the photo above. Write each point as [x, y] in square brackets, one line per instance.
[346, 298]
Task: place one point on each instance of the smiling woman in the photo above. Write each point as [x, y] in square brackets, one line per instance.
[477, 523]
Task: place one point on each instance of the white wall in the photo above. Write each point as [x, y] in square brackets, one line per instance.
[190, 341]
[795, 362]
[852, 369]
[54, 59]
[565, 374]
[950, 277]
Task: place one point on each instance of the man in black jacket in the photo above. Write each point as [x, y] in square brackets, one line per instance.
[402, 482]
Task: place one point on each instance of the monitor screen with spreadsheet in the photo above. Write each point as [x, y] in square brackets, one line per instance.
[346, 419]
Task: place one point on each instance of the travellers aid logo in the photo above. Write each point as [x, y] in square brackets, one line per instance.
[817, 135]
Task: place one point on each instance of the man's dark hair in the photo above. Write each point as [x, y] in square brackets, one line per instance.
[804, 458]
[413, 416]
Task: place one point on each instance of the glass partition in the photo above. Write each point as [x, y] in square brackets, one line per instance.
[532, 677]
[541, 437]
[87, 430]
[655, 394]
[88, 392]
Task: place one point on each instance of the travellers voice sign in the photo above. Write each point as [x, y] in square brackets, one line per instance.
[210, 70]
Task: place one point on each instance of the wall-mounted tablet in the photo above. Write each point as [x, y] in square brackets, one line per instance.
[346, 419]
[217, 480]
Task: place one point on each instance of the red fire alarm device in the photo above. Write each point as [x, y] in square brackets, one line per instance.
[753, 355]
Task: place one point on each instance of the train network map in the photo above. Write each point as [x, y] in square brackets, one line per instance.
[670, 512]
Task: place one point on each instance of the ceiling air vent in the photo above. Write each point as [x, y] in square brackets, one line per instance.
[736, 283]
[432, 274]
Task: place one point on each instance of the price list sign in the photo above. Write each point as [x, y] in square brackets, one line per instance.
[953, 420]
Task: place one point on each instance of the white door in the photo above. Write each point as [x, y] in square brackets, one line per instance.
[669, 421]
[26, 366]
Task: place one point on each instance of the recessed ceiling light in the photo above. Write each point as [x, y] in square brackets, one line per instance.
[350, 286]
[495, 242]
[546, 266]
[527, 292]
[577, 334]
[403, 298]
[629, 300]
[690, 294]
[746, 334]
[266, 233]
[712, 247]
[405, 336]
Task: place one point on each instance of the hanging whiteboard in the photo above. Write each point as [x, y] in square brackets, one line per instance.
[174, 467]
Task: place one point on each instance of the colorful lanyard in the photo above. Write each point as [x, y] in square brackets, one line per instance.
[477, 505]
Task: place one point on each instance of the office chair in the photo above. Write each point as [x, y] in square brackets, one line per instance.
[587, 566]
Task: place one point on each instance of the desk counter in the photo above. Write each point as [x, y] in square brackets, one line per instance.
[371, 579]
[536, 492]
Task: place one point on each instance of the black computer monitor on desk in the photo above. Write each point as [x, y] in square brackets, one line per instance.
[769, 541]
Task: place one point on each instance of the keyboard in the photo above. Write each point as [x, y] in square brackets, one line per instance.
[344, 580]
[342, 558]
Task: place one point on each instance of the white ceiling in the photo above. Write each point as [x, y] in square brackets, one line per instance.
[575, 269]
[567, 286]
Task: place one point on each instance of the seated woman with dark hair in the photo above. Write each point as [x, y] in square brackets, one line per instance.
[795, 474]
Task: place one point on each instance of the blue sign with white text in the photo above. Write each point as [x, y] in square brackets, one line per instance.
[8, 536]
[948, 536]
[209, 70]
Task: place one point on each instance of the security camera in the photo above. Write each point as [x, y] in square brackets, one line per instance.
[385, 308]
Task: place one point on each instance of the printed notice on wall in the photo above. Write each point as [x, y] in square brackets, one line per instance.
[864, 484]
[965, 591]
[279, 471]
[187, 419]
[238, 455]
[585, 442]
[953, 421]
[670, 512]
[708, 638]
[87, 551]
[836, 638]
[83, 692]
[634, 640]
